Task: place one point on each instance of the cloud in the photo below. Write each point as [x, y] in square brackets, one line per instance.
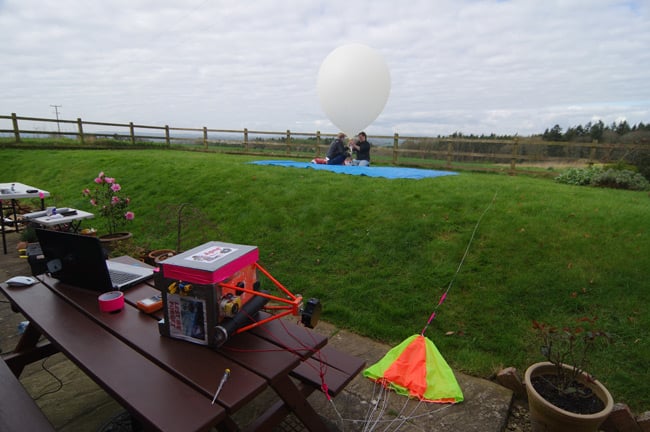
[473, 66]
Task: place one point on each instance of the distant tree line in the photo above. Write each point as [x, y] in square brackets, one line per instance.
[599, 131]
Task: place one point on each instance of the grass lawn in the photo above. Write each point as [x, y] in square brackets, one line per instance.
[379, 253]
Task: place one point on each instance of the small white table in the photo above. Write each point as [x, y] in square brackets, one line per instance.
[71, 221]
[14, 191]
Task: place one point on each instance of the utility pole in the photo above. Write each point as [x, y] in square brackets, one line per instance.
[56, 110]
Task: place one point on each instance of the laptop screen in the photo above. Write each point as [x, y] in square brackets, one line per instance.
[75, 259]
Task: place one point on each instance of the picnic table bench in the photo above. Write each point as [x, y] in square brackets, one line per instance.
[18, 412]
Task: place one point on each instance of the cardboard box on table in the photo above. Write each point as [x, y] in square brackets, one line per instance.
[194, 302]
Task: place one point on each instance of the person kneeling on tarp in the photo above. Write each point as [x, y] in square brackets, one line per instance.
[337, 152]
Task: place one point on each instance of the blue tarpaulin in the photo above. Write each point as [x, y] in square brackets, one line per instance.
[371, 171]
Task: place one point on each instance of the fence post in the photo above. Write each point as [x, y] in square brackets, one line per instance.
[132, 133]
[167, 136]
[450, 153]
[14, 121]
[395, 147]
[515, 152]
[317, 144]
[205, 137]
[288, 141]
[80, 131]
[592, 152]
[246, 138]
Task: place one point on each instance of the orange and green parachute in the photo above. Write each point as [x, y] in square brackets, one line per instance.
[416, 369]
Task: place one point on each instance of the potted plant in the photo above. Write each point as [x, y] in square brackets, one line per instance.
[562, 396]
[106, 197]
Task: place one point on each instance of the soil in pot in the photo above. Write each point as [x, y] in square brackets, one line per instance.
[583, 400]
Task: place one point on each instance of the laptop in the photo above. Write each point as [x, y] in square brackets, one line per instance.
[80, 260]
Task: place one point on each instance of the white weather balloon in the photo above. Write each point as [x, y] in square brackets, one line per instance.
[353, 87]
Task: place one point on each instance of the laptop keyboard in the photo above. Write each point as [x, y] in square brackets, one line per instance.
[120, 277]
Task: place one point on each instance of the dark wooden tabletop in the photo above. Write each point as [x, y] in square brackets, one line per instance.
[167, 384]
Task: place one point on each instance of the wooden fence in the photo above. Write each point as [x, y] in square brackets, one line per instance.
[518, 154]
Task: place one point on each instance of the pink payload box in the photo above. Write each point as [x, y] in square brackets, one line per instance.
[212, 262]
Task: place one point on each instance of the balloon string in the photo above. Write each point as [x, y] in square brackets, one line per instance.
[433, 315]
[460, 265]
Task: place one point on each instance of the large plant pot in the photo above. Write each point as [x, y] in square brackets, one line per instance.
[546, 417]
[116, 241]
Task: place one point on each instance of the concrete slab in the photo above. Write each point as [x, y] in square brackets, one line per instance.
[485, 408]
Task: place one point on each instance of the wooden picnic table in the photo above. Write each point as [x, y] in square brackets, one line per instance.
[168, 384]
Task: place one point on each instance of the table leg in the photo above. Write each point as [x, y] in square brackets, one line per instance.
[29, 339]
[74, 226]
[2, 222]
[298, 404]
[28, 350]
[228, 425]
[13, 212]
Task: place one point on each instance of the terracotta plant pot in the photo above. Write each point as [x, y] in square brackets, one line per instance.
[114, 241]
[546, 417]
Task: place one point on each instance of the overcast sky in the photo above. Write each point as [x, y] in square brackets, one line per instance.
[474, 66]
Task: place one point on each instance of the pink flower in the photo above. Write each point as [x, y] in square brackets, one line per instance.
[105, 197]
[41, 195]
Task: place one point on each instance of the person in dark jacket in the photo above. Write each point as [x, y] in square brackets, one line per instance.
[337, 152]
[361, 147]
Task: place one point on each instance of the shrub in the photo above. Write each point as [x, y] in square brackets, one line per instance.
[642, 163]
[621, 179]
[105, 196]
[610, 178]
[579, 176]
